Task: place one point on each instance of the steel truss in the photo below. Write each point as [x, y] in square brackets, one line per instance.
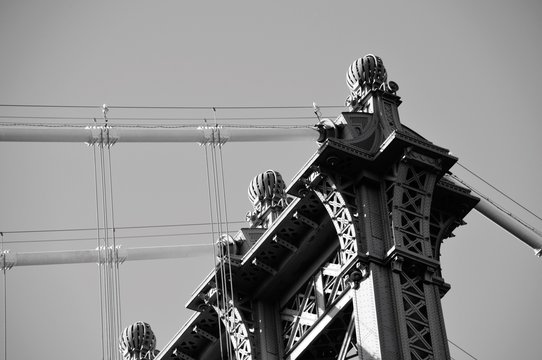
[351, 267]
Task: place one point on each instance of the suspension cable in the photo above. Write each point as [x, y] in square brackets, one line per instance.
[209, 186]
[139, 118]
[109, 279]
[226, 219]
[107, 245]
[218, 211]
[116, 274]
[460, 348]
[117, 228]
[502, 209]
[118, 237]
[103, 247]
[157, 126]
[228, 255]
[222, 303]
[237, 107]
[100, 253]
[229, 304]
[499, 191]
[5, 298]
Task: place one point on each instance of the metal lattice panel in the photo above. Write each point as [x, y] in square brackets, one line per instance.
[341, 216]
[408, 200]
[333, 281]
[299, 314]
[417, 321]
[237, 330]
[312, 300]
[318, 294]
[337, 341]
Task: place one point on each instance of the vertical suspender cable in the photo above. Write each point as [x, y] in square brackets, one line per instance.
[226, 222]
[218, 207]
[5, 299]
[216, 140]
[112, 265]
[100, 253]
[118, 308]
[103, 248]
[109, 263]
[110, 308]
[228, 255]
[214, 183]
[107, 255]
[105, 214]
[212, 241]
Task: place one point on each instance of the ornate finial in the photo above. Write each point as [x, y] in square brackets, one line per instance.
[365, 74]
[368, 71]
[138, 342]
[267, 194]
[266, 187]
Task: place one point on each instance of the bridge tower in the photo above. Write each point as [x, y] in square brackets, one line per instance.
[344, 262]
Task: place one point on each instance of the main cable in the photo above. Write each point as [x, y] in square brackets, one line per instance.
[136, 118]
[238, 107]
[118, 228]
[499, 191]
[499, 207]
[118, 237]
[155, 126]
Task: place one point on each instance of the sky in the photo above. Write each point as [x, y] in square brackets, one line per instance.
[469, 77]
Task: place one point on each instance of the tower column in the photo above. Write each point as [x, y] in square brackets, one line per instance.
[366, 321]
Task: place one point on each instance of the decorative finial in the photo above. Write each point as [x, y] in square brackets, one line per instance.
[366, 74]
[368, 71]
[267, 194]
[138, 342]
[266, 187]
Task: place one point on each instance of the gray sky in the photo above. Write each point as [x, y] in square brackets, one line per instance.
[469, 76]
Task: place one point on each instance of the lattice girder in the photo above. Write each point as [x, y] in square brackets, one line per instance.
[340, 214]
[323, 289]
[236, 328]
[409, 204]
[305, 307]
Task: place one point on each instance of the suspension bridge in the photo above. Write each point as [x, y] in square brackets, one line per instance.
[341, 263]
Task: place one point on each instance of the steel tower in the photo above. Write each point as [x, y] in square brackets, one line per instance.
[344, 262]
